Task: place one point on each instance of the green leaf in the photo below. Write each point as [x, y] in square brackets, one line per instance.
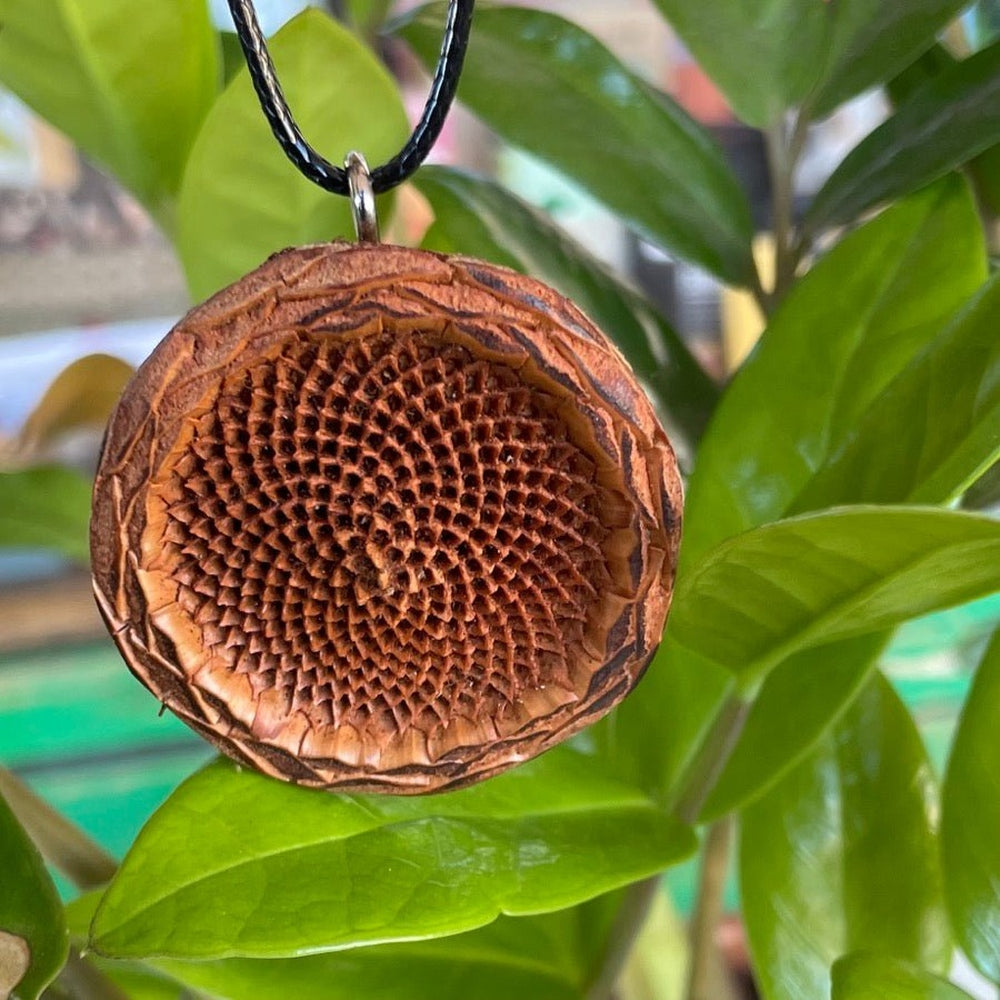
[984, 169]
[954, 386]
[233, 59]
[841, 854]
[802, 699]
[873, 40]
[33, 938]
[367, 16]
[873, 304]
[282, 871]
[942, 125]
[47, 507]
[868, 308]
[547, 957]
[547, 86]
[530, 958]
[132, 98]
[970, 819]
[241, 198]
[677, 700]
[480, 218]
[866, 976]
[769, 55]
[808, 581]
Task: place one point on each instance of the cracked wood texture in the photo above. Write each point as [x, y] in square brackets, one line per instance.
[379, 519]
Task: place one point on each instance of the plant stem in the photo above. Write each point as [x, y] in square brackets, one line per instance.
[784, 147]
[781, 169]
[61, 842]
[710, 758]
[628, 923]
[705, 964]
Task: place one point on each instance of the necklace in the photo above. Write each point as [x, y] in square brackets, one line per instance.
[379, 519]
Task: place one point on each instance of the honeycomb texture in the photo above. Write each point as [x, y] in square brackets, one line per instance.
[379, 519]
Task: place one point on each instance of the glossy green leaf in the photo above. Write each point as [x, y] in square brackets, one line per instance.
[808, 581]
[942, 125]
[869, 307]
[954, 387]
[984, 169]
[872, 305]
[770, 55]
[47, 508]
[530, 958]
[480, 218]
[132, 98]
[33, 938]
[547, 86]
[241, 199]
[970, 821]
[873, 40]
[841, 854]
[281, 871]
[546, 957]
[804, 696]
[868, 976]
[845, 332]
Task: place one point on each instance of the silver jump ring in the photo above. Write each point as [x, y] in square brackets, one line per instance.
[359, 180]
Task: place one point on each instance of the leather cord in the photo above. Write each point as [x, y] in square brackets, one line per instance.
[314, 166]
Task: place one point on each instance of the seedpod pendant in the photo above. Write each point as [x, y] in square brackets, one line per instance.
[380, 519]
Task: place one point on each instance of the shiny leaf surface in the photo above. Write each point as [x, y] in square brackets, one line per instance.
[132, 99]
[872, 40]
[477, 217]
[845, 332]
[242, 199]
[530, 958]
[841, 854]
[866, 976]
[770, 55]
[802, 698]
[954, 387]
[33, 938]
[353, 870]
[47, 508]
[970, 820]
[547, 86]
[870, 306]
[808, 581]
[943, 124]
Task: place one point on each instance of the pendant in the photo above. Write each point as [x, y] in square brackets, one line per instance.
[380, 519]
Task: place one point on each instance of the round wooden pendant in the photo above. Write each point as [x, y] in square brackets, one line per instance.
[385, 520]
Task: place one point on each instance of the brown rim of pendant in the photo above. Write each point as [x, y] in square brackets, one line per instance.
[380, 519]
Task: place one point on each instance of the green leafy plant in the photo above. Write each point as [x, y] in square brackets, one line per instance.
[821, 514]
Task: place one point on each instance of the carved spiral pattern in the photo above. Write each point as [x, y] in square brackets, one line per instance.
[378, 519]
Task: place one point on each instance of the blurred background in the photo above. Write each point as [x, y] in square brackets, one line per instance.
[84, 271]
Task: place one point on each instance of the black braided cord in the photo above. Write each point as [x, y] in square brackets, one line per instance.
[318, 169]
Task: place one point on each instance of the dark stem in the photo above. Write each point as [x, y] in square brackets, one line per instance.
[628, 923]
[706, 965]
[62, 843]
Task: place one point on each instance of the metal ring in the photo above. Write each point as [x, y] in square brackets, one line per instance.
[359, 181]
